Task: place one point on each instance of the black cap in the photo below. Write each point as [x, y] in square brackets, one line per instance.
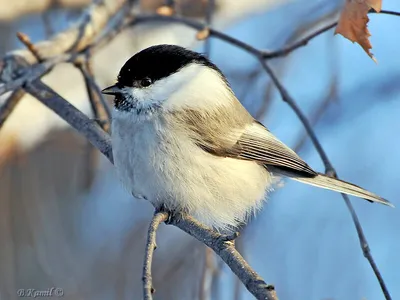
[158, 62]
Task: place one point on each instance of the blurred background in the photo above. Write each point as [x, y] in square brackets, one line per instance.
[66, 222]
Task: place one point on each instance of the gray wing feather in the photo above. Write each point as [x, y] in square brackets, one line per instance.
[261, 146]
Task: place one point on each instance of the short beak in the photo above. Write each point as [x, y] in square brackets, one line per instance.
[112, 90]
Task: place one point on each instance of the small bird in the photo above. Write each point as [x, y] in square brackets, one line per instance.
[183, 141]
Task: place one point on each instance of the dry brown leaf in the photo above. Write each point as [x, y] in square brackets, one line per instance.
[203, 34]
[165, 10]
[353, 22]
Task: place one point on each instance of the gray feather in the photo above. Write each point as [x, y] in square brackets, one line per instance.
[336, 185]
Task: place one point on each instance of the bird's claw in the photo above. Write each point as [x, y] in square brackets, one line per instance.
[173, 215]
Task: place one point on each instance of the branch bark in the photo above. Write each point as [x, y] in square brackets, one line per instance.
[151, 245]
[224, 247]
[78, 120]
[77, 37]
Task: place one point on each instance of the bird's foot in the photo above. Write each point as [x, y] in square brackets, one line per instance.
[174, 216]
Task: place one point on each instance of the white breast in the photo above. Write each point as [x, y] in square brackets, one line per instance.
[171, 170]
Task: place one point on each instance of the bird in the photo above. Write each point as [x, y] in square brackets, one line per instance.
[183, 141]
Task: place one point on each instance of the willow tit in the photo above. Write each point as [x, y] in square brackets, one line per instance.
[183, 141]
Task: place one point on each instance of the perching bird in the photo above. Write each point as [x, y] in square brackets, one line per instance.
[183, 141]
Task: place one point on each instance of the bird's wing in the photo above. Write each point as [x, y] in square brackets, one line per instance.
[258, 144]
[251, 141]
[232, 132]
[248, 139]
[228, 134]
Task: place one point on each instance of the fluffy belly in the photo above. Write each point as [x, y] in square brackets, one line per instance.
[174, 172]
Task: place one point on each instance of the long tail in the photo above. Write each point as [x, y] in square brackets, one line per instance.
[341, 186]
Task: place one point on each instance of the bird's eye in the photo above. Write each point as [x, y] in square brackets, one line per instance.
[145, 82]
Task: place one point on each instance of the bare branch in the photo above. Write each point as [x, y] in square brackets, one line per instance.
[100, 107]
[78, 120]
[28, 44]
[16, 69]
[301, 43]
[385, 12]
[19, 8]
[148, 289]
[224, 247]
[304, 41]
[78, 37]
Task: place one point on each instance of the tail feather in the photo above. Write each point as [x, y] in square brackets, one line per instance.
[338, 185]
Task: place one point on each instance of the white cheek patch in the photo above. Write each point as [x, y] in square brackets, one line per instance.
[194, 86]
[157, 92]
[199, 87]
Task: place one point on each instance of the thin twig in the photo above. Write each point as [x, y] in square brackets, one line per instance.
[15, 63]
[301, 43]
[385, 12]
[365, 247]
[29, 45]
[18, 61]
[158, 218]
[101, 114]
[217, 34]
[101, 109]
[195, 25]
[304, 41]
